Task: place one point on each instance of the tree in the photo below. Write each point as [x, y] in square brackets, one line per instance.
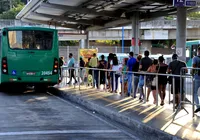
[11, 14]
[194, 15]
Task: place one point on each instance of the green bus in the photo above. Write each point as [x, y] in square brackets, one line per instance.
[29, 56]
[191, 51]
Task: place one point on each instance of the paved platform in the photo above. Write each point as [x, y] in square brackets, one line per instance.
[147, 118]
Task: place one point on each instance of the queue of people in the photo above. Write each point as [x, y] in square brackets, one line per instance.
[110, 78]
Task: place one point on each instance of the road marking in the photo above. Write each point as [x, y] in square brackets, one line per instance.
[58, 132]
[99, 118]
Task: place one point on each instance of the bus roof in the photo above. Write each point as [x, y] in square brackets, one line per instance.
[28, 28]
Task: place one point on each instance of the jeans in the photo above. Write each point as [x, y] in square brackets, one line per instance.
[136, 82]
[95, 78]
[114, 82]
[196, 87]
[141, 84]
[129, 83]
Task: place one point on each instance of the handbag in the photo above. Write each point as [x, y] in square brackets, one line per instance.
[153, 83]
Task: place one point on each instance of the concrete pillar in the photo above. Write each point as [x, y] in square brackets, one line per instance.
[87, 44]
[181, 24]
[135, 32]
[84, 43]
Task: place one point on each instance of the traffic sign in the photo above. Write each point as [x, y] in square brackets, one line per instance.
[179, 3]
[191, 3]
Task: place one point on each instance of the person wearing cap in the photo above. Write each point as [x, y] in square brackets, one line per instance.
[196, 64]
[175, 68]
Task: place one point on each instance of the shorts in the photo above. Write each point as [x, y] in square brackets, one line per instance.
[177, 86]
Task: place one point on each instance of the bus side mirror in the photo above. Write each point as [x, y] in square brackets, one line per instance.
[4, 33]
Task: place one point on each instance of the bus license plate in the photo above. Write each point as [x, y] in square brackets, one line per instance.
[30, 73]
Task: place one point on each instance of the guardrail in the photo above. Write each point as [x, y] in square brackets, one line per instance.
[81, 72]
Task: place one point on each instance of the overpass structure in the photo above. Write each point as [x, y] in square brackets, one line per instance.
[89, 15]
[149, 30]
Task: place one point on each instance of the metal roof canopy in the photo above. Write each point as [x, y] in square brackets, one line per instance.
[94, 14]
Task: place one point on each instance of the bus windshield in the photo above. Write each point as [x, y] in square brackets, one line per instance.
[30, 40]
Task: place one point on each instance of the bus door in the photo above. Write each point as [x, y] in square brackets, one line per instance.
[194, 49]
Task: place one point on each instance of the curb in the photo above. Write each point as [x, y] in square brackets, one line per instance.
[138, 127]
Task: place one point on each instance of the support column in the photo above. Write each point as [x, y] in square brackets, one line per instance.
[87, 44]
[84, 43]
[181, 33]
[135, 32]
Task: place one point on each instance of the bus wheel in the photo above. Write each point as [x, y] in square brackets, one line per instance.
[40, 88]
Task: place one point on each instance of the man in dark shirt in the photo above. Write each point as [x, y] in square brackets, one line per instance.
[145, 63]
[130, 64]
[175, 68]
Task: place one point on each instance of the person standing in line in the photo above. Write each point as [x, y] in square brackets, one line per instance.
[94, 63]
[110, 59]
[124, 73]
[136, 76]
[82, 64]
[130, 64]
[71, 64]
[153, 69]
[175, 68]
[196, 64]
[162, 80]
[114, 73]
[145, 63]
[102, 65]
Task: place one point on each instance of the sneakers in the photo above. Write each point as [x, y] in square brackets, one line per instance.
[197, 110]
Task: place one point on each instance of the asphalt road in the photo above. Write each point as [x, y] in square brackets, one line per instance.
[42, 116]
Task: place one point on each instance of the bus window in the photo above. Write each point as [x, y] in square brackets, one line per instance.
[187, 52]
[31, 40]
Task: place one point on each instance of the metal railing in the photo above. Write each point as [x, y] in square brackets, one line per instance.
[187, 92]
[85, 72]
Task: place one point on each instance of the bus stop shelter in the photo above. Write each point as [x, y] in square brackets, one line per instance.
[87, 15]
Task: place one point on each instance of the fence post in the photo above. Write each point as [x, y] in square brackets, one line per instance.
[193, 104]
[157, 92]
[169, 92]
[74, 76]
[133, 84]
[173, 86]
[145, 90]
[99, 78]
[93, 78]
[113, 82]
[122, 92]
[70, 73]
[79, 82]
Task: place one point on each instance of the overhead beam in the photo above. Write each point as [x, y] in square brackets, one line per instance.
[112, 24]
[72, 26]
[158, 14]
[167, 2]
[62, 18]
[82, 10]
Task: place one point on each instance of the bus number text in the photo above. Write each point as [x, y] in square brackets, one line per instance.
[46, 72]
